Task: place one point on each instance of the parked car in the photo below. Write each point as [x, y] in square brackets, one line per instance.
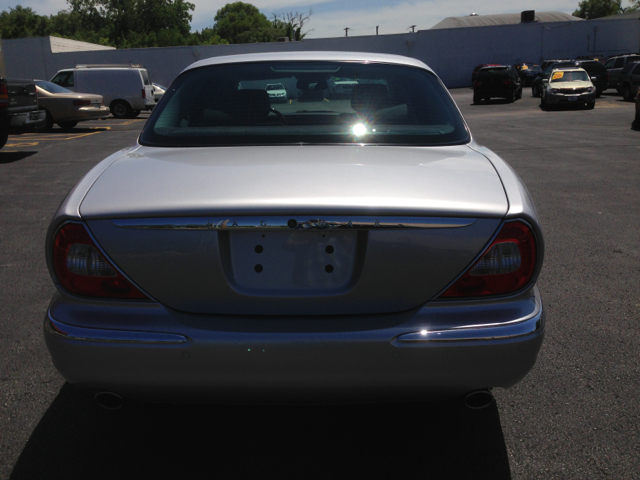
[615, 65]
[568, 86]
[528, 72]
[158, 91]
[19, 111]
[277, 92]
[596, 70]
[628, 80]
[126, 89]
[67, 108]
[309, 91]
[499, 81]
[341, 87]
[362, 249]
[635, 125]
[543, 77]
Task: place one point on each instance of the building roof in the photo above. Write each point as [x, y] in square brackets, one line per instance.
[59, 45]
[502, 19]
[622, 16]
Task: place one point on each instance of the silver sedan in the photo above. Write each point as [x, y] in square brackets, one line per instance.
[353, 249]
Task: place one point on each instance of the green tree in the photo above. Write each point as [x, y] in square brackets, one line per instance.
[131, 23]
[590, 9]
[23, 22]
[207, 36]
[240, 22]
[291, 24]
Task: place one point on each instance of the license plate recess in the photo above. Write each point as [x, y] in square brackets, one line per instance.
[293, 262]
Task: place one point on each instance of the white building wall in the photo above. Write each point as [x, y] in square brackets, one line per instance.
[452, 53]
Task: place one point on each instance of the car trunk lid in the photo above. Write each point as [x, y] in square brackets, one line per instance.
[342, 230]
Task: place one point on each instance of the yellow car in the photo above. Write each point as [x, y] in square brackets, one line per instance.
[67, 108]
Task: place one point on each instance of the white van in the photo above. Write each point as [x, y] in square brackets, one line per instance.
[126, 89]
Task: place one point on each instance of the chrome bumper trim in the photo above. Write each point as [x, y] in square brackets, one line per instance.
[112, 336]
[501, 331]
[34, 118]
[289, 223]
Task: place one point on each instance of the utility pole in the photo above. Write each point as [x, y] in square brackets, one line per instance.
[377, 29]
[413, 28]
[346, 31]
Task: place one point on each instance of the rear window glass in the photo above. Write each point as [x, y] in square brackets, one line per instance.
[145, 77]
[592, 66]
[51, 87]
[230, 105]
[486, 71]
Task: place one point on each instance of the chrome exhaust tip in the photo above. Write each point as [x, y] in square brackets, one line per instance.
[478, 399]
[109, 400]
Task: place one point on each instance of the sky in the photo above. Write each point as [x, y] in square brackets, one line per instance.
[330, 17]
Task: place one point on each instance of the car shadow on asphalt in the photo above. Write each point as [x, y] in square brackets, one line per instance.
[76, 439]
[76, 130]
[10, 157]
[493, 101]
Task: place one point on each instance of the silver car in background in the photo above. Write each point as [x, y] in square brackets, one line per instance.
[355, 249]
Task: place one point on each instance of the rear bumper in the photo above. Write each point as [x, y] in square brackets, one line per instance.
[434, 352]
[83, 114]
[34, 119]
[500, 92]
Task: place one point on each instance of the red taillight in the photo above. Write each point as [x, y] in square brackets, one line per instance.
[506, 266]
[82, 103]
[81, 268]
[477, 84]
[144, 93]
[4, 95]
[506, 82]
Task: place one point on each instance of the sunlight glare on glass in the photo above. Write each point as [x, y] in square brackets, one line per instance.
[359, 129]
[423, 333]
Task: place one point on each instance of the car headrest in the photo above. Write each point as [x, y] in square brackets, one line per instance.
[367, 98]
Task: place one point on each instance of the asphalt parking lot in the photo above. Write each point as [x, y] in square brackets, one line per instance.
[575, 416]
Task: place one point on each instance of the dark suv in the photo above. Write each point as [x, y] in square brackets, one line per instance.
[614, 66]
[628, 81]
[500, 81]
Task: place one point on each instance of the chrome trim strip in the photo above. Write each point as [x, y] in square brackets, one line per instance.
[496, 331]
[111, 336]
[290, 223]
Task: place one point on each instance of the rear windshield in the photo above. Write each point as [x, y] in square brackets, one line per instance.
[51, 87]
[229, 105]
[145, 77]
[487, 71]
[592, 66]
